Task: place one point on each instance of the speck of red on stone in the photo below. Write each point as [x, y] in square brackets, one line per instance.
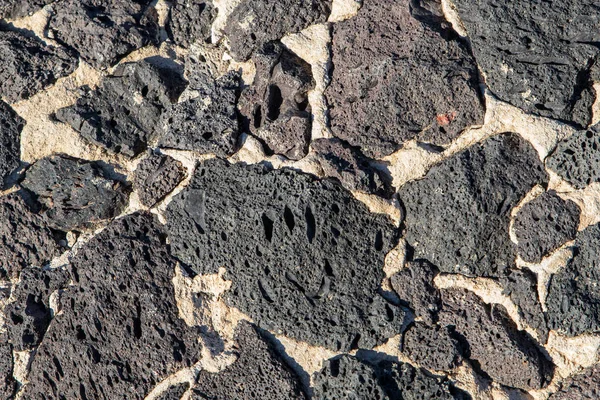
[445, 119]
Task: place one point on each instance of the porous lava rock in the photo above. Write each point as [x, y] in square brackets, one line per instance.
[156, 176]
[432, 347]
[294, 248]
[7, 382]
[28, 66]
[118, 333]
[583, 386]
[11, 9]
[576, 158]
[399, 73]
[458, 215]
[175, 392]
[256, 22]
[125, 113]
[258, 373]
[11, 126]
[103, 31]
[540, 66]
[275, 107]
[190, 21]
[544, 224]
[75, 194]
[508, 356]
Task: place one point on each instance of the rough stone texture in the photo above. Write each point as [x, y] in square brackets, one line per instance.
[576, 158]
[432, 347]
[125, 112]
[119, 333]
[458, 215]
[157, 176]
[75, 194]
[399, 74]
[349, 166]
[174, 392]
[103, 31]
[11, 9]
[190, 21]
[509, 356]
[256, 22]
[573, 300]
[540, 66]
[7, 383]
[27, 65]
[294, 247]
[25, 238]
[275, 107]
[414, 285]
[258, 373]
[11, 125]
[584, 386]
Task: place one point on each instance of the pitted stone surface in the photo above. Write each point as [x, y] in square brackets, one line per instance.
[536, 55]
[398, 75]
[11, 126]
[7, 383]
[509, 356]
[583, 386]
[414, 285]
[174, 392]
[124, 113]
[157, 176]
[256, 22]
[11, 9]
[458, 215]
[576, 158]
[190, 21]
[103, 31]
[294, 248]
[258, 373]
[118, 334]
[75, 194]
[28, 66]
[432, 347]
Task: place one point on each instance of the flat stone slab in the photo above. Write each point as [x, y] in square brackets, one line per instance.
[190, 21]
[10, 140]
[432, 347]
[157, 176]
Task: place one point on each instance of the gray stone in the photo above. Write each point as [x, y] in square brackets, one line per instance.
[11, 9]
[256, 22]
[258, 373]
[125, 113]
[175, 392]
[544, 224]
[458, 215]
[294, 248]
[11, 126]
[28, 66]
[76, 194]
[414, 285]
[118, 334]
[157, 176]
[399, 73]
[431, 347]
[536, 55]
[583, 386]
[190, 21]
[7, 382]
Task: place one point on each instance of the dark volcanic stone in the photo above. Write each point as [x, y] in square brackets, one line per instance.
[190, 21]
[256, 22]
[431, 346]
[118, 334]
[544, 224]
[157, 176]
[398, 77]
[536, 55]
[585, 386]
[28, 66]
[576, 158]
[7, 383]
[11, 9]
[509, 356]
[573, 300]
[348, 165]
[103, 31]
[29, 315]
[275, 106]
[10, 141]
[76, 193]
[349, 378]
[174, 392]
[458, 216]
[294, 247]
[258, 373]
[25, 238]
[414, 285]
[124, 113]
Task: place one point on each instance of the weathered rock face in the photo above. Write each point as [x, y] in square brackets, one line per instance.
[397, 76]
[256, 22]
[458, 215]
[10, 141]
[157, 176]
[119, 333]
[27, 65]
[275, 107]
[432, 347]
[575, 158]
[124, 113]
[174, 392]
[294, 248]
[509, 356]
[573, 300]
[540, 66]
[76, 194]
[584, 386]
[7, 383]
[11, 9]
[103, 31]
[258, 373]
[544, 224]
[190, 21]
